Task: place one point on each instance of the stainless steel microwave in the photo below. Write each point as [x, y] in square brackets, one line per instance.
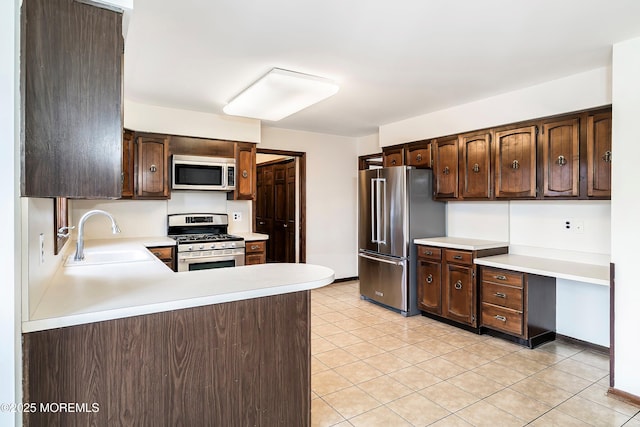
[203, 173]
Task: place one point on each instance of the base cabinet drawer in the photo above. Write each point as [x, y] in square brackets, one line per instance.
[505, 296]
[502, 319]
[255, 252]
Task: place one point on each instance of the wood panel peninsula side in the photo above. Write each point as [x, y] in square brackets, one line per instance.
[137, 344]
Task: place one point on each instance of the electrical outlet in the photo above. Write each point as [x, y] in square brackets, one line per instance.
[237, 216]
[41, 248]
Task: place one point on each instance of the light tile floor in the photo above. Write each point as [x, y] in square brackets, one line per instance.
[372, 367]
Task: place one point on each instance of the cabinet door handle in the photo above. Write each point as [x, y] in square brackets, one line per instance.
[153, 168]
[457, 257]
[446, 170]
[501, 318]
[476, 168]
[245, 173]
[515, 164]
[500, 277]
[561, 160]
[607, 156]
[458, 285]
[429, 278]
[501, 295]
[419, 157]
[393, 162]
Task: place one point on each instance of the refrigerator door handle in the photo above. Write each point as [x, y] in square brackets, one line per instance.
[382, 216]
[387, 261]
[373, 212]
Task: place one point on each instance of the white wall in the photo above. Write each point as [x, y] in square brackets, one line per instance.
[153, 118]
[331, 195]
[10, 353]
[572, 93]
[625, 231]
[368, 145]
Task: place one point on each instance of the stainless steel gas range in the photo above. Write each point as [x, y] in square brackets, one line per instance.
[203, 241]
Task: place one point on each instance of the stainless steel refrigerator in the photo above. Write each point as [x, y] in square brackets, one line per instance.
[395, 207]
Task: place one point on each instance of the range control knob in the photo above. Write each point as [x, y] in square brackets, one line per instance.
[189, 248]
[201, 246]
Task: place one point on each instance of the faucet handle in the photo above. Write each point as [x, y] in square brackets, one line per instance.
[65, 231]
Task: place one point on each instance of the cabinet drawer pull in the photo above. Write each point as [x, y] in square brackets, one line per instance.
[501, 318]
[457, 257]
[255, 247]
[501, 295]
[429, 278]
[458, 285]
[419, 157]
[500, 277]
[158, 254]
[428, 253]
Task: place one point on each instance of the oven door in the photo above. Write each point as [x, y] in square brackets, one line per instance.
[192, 262]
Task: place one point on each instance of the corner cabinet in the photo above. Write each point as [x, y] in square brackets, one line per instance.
[246, 187]
[599, 155]
[72, 100]
[515, 163]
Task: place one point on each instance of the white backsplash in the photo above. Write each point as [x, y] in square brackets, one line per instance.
[148, 218]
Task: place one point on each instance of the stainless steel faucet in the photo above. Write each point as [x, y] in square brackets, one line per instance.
[79, 256]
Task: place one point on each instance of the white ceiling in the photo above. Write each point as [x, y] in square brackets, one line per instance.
[393, 60]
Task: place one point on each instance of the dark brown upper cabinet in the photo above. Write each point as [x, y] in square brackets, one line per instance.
[599, 155]
[445, 168]
[475, 165]
[152, 164]
[245, 171]
[515, 163]
[393, 156]
[71, 59]
[418, 154]
[128, 164]
[560, 142]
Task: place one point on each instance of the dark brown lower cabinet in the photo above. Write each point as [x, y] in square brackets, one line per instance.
[447, 283]
[518, 305]
[243, 363]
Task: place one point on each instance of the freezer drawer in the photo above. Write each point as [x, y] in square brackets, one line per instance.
[384, 279]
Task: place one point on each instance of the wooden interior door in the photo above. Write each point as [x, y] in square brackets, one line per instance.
[276, 209]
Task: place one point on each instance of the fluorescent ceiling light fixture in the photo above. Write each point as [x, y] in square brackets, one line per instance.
[280, 93]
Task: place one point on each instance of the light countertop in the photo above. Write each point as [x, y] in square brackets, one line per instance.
[460, 243]
[93, 293]
[581, 272]
[252, 237]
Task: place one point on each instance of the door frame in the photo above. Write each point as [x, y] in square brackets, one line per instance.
[302, 188]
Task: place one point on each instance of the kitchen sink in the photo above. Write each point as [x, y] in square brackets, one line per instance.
[109, 257]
